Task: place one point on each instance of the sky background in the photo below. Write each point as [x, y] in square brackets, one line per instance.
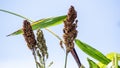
[98, 26]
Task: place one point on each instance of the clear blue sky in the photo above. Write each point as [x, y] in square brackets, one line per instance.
[99, 26]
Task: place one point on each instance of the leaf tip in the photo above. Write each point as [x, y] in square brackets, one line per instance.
[9, 35]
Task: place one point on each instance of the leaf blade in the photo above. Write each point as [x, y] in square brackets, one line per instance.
[92, 64]
[43, 23]
[92, 52]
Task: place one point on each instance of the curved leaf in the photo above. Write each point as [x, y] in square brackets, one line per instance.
[92, 52]
[92, 64]
[43, 23]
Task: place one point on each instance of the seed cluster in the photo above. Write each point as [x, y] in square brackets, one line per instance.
[41, 43]
[37, 46]
[69, 30]
[28, 34]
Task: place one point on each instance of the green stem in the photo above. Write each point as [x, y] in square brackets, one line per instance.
[66, 60]
[33, 50]
[116, 60]
[44, 62]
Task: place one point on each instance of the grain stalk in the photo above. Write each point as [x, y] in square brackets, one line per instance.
[70, 33]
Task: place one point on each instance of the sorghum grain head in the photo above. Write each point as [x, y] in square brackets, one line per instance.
[69, 29]
[28, 34]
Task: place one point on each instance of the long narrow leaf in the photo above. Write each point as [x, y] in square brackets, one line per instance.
[43, 23]
[92, 64]
[92, 52]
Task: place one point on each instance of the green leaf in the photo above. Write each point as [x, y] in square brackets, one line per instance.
[112, 57]
[92, 52]
[43, 23]
[92, 64]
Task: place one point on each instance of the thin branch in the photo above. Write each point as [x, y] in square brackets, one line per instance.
[33, 51]
[66, 60]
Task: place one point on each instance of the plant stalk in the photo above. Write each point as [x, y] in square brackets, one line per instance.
[116, 60]
[33, 50]
[66, 60]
